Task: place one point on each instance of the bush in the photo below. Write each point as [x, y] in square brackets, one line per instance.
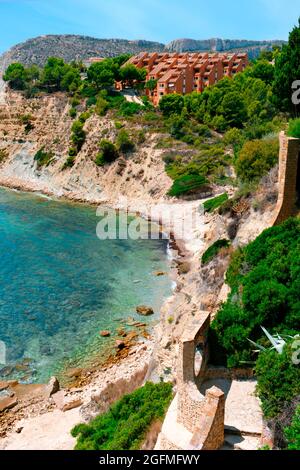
[69, 162]
[292, 433]
[212, 204]
[119, 125]
[78, 134]
[101, 106]
[125, 425]
[91, 101]
[294, 128]
[73, 113]
[256, 158]
[214, 250]
[171, 104]
[108, 153]
[187, 184]
[72, 152]
[124, 144]
[278, 379]
[43, 158]
[129, 109]
[264, 278]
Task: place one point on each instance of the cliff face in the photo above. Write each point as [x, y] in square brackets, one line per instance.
[222, 45]
[139, 175]
[72, 47]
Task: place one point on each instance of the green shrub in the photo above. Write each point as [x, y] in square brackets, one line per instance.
[294, 128]
[187, 184]
[69, 162]
[75, 101]
[171, 104]
[124, 144]
[43, 158]
[214, 250]
[72, 152]
[278, 379]
[108, 153]
[73, 113]
[264, 278]
[119, 125]
[101, 106]
[212, 204]
[84, 117]
[91, 101]
[292, 433]
[256, 158]
[125, 425]
[129, 109]
[150, 116]
[78, 134]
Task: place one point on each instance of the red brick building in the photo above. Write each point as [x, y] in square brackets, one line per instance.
[187, 72]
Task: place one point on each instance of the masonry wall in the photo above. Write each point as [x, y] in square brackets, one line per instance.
[287, 180]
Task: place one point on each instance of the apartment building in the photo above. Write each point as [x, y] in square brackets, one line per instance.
[186, 72]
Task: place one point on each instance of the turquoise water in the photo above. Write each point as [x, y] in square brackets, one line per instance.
[60, 285]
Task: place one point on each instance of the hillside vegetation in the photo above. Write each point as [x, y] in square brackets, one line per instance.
[125, 425]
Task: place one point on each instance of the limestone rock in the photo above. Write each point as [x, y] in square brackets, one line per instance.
[71, 404]
[120, 344]
[144, 310]
[52, 387]
[105, 334]
[74, 373]
[8, 403]
[65, 402]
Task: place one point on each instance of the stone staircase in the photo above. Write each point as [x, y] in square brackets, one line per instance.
[241, 441]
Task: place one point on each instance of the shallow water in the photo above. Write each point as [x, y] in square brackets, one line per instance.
[60, 285]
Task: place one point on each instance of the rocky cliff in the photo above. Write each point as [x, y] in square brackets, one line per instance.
[253, 48]
[73, 47]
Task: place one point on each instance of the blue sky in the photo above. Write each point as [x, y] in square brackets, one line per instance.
[160, 20]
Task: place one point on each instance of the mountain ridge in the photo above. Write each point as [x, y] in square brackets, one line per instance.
[73, 47]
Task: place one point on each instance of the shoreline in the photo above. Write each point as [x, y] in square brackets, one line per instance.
[139, 355]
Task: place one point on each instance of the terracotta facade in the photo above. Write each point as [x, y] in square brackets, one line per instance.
[187, 72]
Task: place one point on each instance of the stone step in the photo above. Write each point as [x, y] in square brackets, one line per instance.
[241, 442]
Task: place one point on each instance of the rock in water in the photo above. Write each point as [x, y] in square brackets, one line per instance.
[105, 334]
[120, 344]
[144, 310]
[52, 387]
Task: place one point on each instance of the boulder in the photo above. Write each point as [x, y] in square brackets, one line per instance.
[52, 387]
[159, 273]
[8, 403]
[74, 373]
[3, 386]
[70, 404]
[105, 334]
[184, 267]
[65, 402]
[120, 344]
[144, 310]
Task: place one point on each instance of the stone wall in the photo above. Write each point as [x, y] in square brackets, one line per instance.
[210, 433]
[201, 415]
[288, 169]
